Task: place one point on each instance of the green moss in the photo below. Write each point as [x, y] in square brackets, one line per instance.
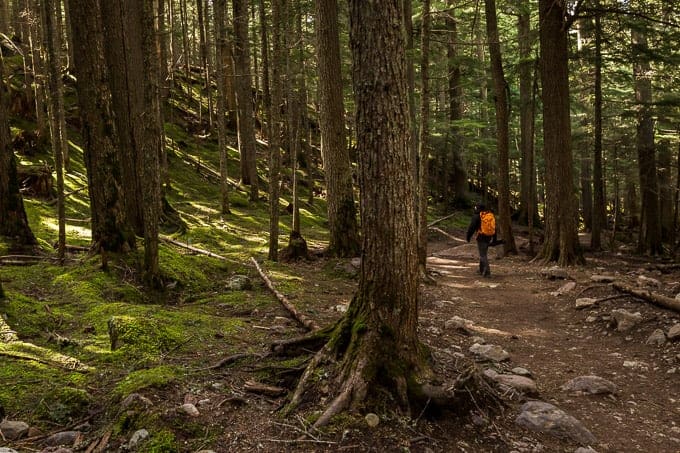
[157, 377]
[64, 404]
[161, 442]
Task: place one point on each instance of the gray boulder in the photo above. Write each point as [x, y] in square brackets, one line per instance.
[63, 438]
[13, 430]
[657, 337]
[591, 385]
[625, 320]
[674, 332]
[489, 352]
[239, 283]
[546, 418]
[137, 438]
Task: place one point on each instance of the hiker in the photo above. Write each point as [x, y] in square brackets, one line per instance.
[483, 223]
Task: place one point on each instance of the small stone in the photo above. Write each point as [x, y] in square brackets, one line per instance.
[633, 364]
[591, 385]
[341, 308]
[479, 340]
[657, 337]
[564, 289]
[672, 371]
[372, 420]
[602, 278]
[458, 323]
[585, 450]
[137, 438]
[489, 352]
[434, 330]
[555, 273]
[63, 438]
[591, 319]
[519, 371]
[626, 320]
[674, 332]
[520, 383]
[136, 400]
[585, 302]
[190, 409]
[13, 430]
[648, 281]
[239, 283]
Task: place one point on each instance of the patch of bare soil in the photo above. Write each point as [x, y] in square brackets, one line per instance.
[519, 310]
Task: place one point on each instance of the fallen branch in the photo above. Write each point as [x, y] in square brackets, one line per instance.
[228, 360]
[193, 249]
[654, 298]
[299, 317]
[263, 389]
[68, 194]
[433, 223]
[444, 233]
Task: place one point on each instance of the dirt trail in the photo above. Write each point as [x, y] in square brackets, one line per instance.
[548, 336]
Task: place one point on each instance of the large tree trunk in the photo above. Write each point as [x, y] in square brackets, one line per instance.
[36, 50]
[278, 61]
[244, 98]
[650, 229]
[203, 46]
[132, 59]
[13, 220]
[221, 55]
[55, 103]
[376, 344]
[344, 238]
[502, 128]
[110, 230]
[665, 190]
[561, 238]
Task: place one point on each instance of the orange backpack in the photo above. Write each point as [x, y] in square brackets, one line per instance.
[488, 223]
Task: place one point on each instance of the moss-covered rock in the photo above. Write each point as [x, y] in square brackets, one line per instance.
[157, 377]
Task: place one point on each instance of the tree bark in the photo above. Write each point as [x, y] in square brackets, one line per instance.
[110, 230]
[502, 127]
[54, 104]
[599, 214]
[221, 54]
[376, 344]
[561, 238]
[650, 229]
[456, 177]
[278, 61]
[423, 157]
[203, 49]
[342, 221]
[244, 98]
[13, 220]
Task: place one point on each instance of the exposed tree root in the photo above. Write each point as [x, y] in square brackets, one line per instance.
[229, 360]
[299, 317]
[306, 344]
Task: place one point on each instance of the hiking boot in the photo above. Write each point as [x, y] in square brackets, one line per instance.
[487, 274]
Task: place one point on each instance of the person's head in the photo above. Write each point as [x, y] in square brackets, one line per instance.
[479, 207]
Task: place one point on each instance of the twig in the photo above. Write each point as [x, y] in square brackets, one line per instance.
[299, 317]
[192, 248]
[296, 441]
[429, 225]
[229, 360]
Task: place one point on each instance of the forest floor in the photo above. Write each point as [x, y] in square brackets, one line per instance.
[518, 309]
[530, 316]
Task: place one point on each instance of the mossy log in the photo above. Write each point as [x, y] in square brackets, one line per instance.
[35, 181]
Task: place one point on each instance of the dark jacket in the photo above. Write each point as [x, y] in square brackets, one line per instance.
[475, 225]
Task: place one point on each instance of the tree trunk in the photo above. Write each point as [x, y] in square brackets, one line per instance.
[376, 344]
[110, 230]
[278, 61]
[586, 192]
[561, 238]
[61, 114]
[526, 114]
[599, 213]
[221, 54]
[423, 157]
[650, 233]
[13, 220]
[244, 98]
[55, 102]
[132, 58]
[502, 128]
[665, 190]
[203, 49]
[35, 44]
[456, 177]
[342, 221]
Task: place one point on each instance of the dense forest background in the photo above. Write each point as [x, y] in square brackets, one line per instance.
[139, 139]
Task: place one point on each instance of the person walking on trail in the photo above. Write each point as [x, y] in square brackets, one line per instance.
[483, 223]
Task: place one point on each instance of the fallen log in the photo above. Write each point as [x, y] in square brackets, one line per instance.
[433, 223]
[654, 298]
[263, 389]
[192, 248]
[444, 233]
[299, 317]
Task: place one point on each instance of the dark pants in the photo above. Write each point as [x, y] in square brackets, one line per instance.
[483, 247]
